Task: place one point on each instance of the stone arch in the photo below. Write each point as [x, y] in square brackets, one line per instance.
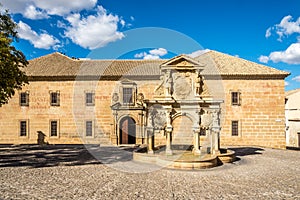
[187, 114]
[182, 130]
[127, 130]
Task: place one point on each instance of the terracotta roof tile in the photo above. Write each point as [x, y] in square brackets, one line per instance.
[60, 65]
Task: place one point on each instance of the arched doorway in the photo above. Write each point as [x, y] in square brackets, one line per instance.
[127, 131]
[182, 131]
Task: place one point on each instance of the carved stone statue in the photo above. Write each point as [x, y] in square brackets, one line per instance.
[168, 84]
[140, 98]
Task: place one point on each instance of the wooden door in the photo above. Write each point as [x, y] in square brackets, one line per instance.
[124, 132]
[127, 131]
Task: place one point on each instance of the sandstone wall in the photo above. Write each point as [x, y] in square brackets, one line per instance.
[261, 113]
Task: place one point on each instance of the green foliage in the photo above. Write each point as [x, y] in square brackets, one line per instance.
[12, 60]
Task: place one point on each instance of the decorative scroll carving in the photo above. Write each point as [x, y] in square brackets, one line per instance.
[160, 89]
[115, 98]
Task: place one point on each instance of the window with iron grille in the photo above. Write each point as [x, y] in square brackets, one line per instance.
[235, 98]
[128, 96]
[234, 128]
[54, 98]
[23, 128]
[90, 99]
[24, 99]
[53, 128]
[89, 128]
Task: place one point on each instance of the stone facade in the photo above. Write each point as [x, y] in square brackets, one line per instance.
[292, 113]
[255, 116]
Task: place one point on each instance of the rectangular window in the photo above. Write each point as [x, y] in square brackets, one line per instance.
[127, 96]
[53, 128]
[235, 128]
[89, 128]
[24, 99]
[54, 98]
[23, 128]
[235, 98]
[90, 99]
[202, 132]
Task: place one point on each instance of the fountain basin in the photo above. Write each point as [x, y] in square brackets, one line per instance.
[183, 159]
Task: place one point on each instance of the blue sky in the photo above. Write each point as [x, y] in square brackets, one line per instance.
[263, 31]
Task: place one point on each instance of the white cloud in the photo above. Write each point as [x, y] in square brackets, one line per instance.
[32, 12]
[93, 31]
[286, 83]
[132, 18]
[286, 27]
[290, 56]
[140, 55]
[158, 52]
[263, 59]
[297, 79]
[268, 32]
[41, 41]
[151, 57]
[198, 53]
[47, 7]
[152, 54]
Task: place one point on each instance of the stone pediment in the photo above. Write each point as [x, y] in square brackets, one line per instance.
[182, 62]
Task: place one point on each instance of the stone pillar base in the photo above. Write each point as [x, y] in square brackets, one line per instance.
[196, 151]
[169, 152]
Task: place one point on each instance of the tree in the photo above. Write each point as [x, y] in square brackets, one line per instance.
[12, 61]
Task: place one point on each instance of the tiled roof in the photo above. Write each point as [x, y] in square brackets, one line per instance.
[291, 92]
[58, 65]
[231, 65]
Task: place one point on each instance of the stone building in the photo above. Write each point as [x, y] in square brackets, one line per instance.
[199, 101]
[292, 113]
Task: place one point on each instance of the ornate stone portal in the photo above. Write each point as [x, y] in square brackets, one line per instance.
[182, 93]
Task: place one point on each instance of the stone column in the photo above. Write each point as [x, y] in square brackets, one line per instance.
[168, 143]
[215, 132]
[168, 131]
[150, 136]
[116, 132]
[196, 149]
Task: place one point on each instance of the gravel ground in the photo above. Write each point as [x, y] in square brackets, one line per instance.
[70, 172]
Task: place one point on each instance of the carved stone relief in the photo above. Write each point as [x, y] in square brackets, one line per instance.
[206, 119]
[182, 85]
[157, 118]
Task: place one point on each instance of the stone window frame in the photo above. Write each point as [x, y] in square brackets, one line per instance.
[133, 87]
[85, 128]
[238, 98]
[57, 128]
[237, 129]
[26, 128]
[21, 98]
[92, 93]
[57, 103]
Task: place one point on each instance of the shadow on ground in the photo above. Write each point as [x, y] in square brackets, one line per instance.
[45, 156]
[245, 151]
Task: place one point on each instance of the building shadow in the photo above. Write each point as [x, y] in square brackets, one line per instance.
[246, 151]
[36, 156]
